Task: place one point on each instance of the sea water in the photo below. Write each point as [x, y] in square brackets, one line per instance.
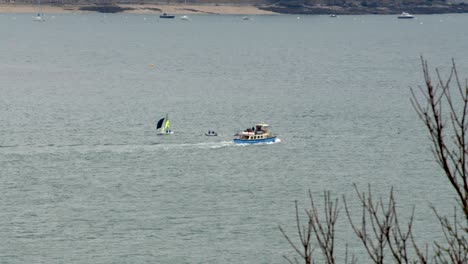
[84, 177]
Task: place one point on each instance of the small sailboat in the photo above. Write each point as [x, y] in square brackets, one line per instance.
[164, 126]
[39, 16]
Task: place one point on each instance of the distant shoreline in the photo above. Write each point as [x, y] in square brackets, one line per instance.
[367, 10]
[140, 9]
[227, 9]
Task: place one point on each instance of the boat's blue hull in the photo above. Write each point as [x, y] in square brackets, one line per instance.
[254, 141]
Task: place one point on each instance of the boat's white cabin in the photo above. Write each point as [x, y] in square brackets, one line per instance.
[259, 131]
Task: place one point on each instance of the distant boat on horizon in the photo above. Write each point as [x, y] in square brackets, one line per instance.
[405, 15]
[39, 16]
[165, 15]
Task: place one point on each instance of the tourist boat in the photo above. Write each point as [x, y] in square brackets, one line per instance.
[164, 15]
[163, 126]
[211, 133]
[260, 133]
[405, 15]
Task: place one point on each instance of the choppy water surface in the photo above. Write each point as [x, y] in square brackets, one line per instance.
[85, 178]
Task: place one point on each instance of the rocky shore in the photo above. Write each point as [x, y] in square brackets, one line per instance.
[137, 9]
[244, 9]
[361, 10]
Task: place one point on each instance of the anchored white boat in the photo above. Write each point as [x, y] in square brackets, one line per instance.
[404, 15]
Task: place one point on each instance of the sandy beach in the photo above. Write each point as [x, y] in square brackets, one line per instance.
[143, 9]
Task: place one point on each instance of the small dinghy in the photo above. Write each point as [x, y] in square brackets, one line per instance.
[211, 133]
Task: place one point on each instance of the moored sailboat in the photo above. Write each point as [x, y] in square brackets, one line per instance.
[39, 16]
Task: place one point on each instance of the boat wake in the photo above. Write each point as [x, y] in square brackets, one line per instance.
[109, 147]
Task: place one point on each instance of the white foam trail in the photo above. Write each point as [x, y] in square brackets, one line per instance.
[108, 147]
